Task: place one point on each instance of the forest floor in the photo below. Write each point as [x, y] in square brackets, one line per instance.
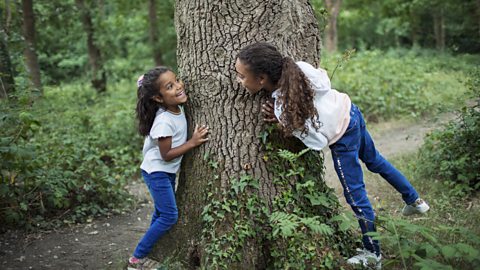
[106, 243]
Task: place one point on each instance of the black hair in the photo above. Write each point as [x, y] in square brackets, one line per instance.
[263, 58]
[296, 93]
[147, 107]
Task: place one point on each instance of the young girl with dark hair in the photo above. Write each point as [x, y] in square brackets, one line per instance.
[161, 120]
[308, 108]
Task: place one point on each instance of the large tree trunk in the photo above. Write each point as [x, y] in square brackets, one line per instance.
[152, 18]
[331, 37]
[7, 83]
[30, 50]
[234, 230]
[99, 79]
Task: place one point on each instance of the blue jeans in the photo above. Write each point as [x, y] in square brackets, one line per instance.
[162, 189]
[357, 144]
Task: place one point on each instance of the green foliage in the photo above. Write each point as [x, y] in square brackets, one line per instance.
[365, 24]
[66, 157]
[426, 247]
[123, 37]
[401, 83]
[452, 154]
[121, 31]
[60, 41]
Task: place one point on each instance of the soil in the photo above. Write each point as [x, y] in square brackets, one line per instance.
[107, 242]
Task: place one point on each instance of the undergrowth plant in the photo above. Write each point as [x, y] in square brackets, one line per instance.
[451, 154]
[416, 246]
[400, 83]
[67, 157]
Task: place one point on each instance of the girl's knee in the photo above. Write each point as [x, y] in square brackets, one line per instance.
[376, 166]
[171, 219]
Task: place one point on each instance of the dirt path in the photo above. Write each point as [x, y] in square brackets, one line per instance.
[107, 242]
[101, 244]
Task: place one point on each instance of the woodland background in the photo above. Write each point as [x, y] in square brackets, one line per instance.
[69, 147]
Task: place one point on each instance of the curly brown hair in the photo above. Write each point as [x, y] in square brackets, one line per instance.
[296, 93]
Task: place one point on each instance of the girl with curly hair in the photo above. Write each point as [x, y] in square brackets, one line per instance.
[308, 108]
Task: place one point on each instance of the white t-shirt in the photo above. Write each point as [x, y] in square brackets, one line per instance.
[332, 106]
[166, 124]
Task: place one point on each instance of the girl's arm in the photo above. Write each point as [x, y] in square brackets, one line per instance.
[168, 153]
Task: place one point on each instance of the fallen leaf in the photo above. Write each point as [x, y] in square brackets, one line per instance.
[20, 259]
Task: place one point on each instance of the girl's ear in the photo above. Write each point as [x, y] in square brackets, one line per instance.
[158, 99]
[263, 79]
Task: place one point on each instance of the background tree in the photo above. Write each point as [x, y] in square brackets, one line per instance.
[153, 31]
[30, 44]
[477, 15]
[209, 35]
[439, 28]
[7, 83]
[368, 24]
[99, 78]
[333, 8]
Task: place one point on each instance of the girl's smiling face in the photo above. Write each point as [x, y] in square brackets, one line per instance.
[172, 91]
[247, 79]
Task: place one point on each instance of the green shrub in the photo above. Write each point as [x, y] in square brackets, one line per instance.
[396, 83]
[67, 157]
[425, 247]
[452, 154]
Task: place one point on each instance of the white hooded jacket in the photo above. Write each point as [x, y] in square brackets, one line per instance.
[332, 106]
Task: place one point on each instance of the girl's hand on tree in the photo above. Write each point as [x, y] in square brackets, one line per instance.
[199, 135]
[268, 114]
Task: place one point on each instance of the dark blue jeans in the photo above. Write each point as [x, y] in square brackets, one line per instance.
[162, 189]
[356, 144]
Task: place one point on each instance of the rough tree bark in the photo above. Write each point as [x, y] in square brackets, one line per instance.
[99, 79]
[30, 50]
[153, 31]
[333, 8]
[7, 84]
[210, 34]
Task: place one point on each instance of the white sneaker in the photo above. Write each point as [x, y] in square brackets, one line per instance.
[418, 207]
[366, 258]
[142, 264]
